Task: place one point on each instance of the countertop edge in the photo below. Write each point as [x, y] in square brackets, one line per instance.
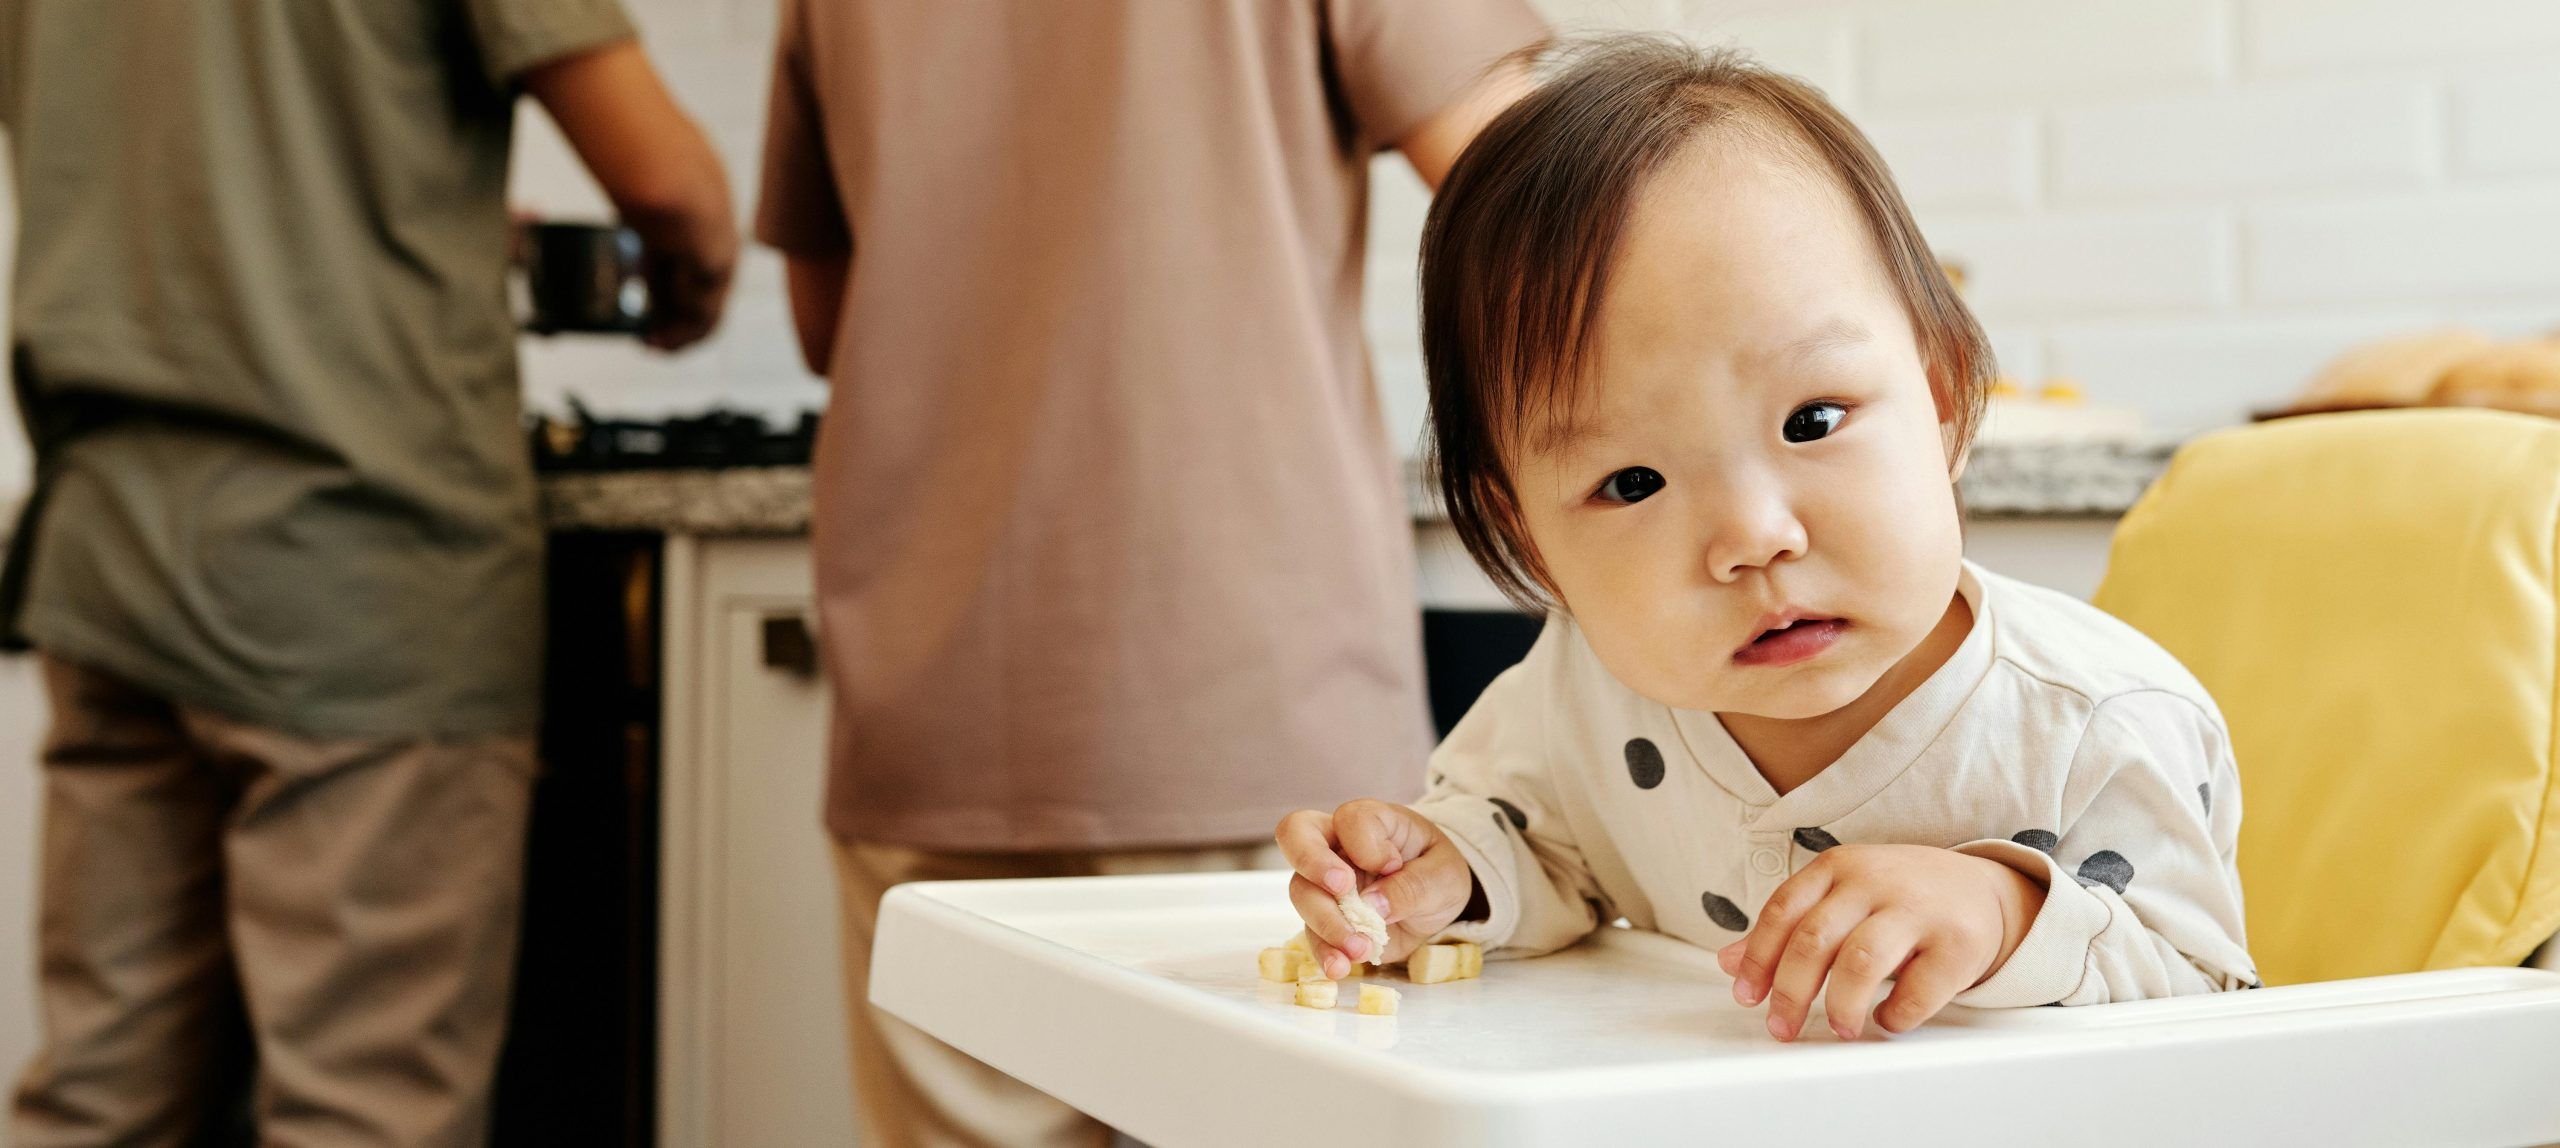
[2001, 481]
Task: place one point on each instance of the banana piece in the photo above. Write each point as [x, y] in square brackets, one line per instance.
[1433, 964]
[1378, 1000]
[1283, 964]
[1314, 991]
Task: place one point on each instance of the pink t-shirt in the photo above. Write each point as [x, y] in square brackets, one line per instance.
[1111, 546]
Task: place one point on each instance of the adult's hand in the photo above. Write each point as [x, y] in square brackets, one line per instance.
[662, 176]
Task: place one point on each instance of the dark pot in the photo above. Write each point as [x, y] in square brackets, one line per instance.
[581, 277]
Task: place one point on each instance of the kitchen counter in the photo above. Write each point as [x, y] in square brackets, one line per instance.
[2023, 480]
[763, 500]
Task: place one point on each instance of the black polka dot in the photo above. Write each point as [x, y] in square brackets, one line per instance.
[1644, 763]
[1511, 813]
[1727, 915]
[2107, 867]
[1815, 840]
[2204, 793]
[1438, 779]
[2040, 840]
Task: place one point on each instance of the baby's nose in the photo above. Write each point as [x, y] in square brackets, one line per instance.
[1746, 534]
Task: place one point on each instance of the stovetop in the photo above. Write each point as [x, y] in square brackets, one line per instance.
[717, 438]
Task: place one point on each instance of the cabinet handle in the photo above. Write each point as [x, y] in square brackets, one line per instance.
[789, 646]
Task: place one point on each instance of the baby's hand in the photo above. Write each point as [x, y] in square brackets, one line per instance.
[1423, 881]
[1937, 920]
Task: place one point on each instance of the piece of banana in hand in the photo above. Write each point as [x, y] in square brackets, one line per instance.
[1365, 921]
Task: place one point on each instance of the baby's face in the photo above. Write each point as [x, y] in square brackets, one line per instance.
[1757, 441]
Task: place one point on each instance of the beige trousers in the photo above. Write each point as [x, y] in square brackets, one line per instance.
[346, 908]
[912, 1091]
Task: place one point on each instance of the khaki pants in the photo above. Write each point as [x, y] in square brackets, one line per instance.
[913, 1091]
[346, 907]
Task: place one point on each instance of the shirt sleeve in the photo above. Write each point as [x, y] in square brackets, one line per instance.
[1492, 793]
[515, 36]
[1398, 61]
[2142, 886]
[797, 208]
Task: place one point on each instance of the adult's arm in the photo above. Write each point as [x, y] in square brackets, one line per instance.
[1432, 147]
[816, 283]
[661, 174]
[798, 212]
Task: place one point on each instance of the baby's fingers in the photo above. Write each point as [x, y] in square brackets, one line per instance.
[1422, 898]
[1807, 962]
[1380, 837]
[1335, 944]
[1873, 951]
[1306, 840]
[1933, 978]
[1766, 942]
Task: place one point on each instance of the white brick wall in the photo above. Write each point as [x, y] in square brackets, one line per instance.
[2189, 205]
[716, 55]
[2186, 204]
[2033, 50]
[2323, 136]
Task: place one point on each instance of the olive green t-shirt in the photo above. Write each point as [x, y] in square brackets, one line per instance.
[263, 349]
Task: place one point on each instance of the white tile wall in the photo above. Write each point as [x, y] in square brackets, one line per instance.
[2460, 244]
[2287, 35]
[1960, 160]
[2187, 204]
[2508, 123]
[717, 56]
[2060, 264]
[2034, 50]
[2321, 136]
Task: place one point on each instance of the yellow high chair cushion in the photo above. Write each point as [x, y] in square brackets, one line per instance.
[2370, 599]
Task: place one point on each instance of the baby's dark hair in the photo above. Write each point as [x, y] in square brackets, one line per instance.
[1517, 250]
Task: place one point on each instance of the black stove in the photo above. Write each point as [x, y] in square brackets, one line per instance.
[715, 439]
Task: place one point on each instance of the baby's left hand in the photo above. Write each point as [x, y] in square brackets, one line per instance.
[1937, 920]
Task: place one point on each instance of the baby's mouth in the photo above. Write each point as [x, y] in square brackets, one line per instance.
[1790, 643]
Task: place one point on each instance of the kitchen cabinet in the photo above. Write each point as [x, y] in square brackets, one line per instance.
[751, 1033]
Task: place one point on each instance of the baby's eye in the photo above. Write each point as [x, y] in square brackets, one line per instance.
[1634, 484]
[1814, 420]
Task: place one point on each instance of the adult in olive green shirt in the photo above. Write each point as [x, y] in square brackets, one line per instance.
[283, 561]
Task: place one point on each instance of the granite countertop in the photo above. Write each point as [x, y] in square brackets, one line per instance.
[743, 500]
[2005, 480]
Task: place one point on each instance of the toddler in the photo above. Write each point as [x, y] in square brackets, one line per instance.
[1701, 393]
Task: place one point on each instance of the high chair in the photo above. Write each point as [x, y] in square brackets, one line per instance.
[2370, 599]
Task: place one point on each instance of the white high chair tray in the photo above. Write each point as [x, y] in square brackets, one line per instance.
[1136, 999]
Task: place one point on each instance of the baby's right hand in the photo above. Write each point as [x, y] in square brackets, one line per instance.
[1423, 881]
